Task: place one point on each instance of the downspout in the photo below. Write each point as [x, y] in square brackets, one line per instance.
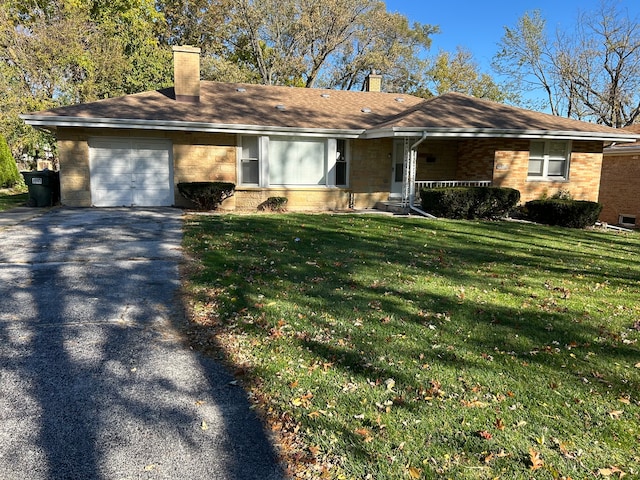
[412, 178]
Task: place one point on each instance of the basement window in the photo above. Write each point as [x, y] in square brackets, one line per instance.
[627, 220]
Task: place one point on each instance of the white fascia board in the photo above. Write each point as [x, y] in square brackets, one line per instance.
[47, 121]
[498, 133]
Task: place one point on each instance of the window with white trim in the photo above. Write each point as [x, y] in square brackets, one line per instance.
[549, 160]
[292, 161]
[341, 163]
[250, 160]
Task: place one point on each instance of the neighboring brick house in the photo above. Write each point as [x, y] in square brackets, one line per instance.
[322, 149]
[620, 183]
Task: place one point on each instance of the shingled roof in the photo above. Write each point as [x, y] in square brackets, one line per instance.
[236, 107]
[625, 148]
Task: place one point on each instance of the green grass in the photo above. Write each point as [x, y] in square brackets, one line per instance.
[382, 347]
[10, 198]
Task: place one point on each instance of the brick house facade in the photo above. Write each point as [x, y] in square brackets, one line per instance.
[322, 149]
[620, 182]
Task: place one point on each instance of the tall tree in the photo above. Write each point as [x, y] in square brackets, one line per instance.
[56, 52]
[459, 72]
[591, 72]
[331, 43]
[526, 57]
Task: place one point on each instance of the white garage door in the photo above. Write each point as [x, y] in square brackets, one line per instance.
[130, 172]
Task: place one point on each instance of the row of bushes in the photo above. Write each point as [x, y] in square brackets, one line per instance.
[469, 202]
[495, 202]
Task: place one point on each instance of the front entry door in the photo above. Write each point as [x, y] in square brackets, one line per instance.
[397, 173]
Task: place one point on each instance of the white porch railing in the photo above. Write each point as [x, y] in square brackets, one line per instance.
[449, 183]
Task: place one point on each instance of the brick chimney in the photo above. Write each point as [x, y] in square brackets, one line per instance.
[186, 73]
[373, 82]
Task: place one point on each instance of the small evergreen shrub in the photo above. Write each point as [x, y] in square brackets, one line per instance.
[565, 213]
[469, 202]
[9, 174]
[206, 195]
[274, 204]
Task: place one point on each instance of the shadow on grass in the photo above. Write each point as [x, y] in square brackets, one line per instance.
[475, 297]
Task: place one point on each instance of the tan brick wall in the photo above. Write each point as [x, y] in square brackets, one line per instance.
[619, 187]
[506, 161]
[476, 158]
[73, 152]
[298, 199]
[370, 171]
[445, 154]
[204, 158]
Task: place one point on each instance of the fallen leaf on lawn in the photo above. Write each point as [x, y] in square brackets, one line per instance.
[637, 365]
[313, 414]
[624, 400]
[204, 425]
[484, 434]
[296, 402]
[474, 404]
[616, 414]
[150, 467]
[535, 460]
[314, 450]
[609, 472]
[366, 434]
[414, 472]
[499, 424]
[390, 383]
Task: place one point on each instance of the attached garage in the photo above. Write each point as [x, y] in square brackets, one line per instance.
[130, 172]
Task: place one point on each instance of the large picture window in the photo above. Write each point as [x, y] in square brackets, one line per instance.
[549, 160]
[297, 161]
[292, 161]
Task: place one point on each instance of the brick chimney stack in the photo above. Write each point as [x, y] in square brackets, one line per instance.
[186, 72]
[373, 82]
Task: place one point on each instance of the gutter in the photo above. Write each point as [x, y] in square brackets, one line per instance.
[51, 122]
[439, 132]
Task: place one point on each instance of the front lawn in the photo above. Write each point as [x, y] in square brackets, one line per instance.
[390, 348]
[10, 198]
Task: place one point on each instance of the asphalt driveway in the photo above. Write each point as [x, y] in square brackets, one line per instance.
[96, 381]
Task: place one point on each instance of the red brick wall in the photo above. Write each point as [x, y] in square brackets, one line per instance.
[619, 187]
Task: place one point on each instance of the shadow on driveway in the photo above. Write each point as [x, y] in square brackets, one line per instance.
[95, 380]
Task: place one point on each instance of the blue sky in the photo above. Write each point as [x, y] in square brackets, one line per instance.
[479, 25]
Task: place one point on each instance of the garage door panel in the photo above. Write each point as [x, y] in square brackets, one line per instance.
[131, 172]
[104, 181]
[112, 198]
[151, 179]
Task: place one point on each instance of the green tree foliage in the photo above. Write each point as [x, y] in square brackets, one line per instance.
[590, 72]
[460, 73]
[328, 43]
[9, 175]
[58, 52]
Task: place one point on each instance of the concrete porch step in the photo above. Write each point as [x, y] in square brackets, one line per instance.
[393, 206]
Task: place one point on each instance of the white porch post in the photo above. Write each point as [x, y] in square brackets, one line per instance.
[408, 174]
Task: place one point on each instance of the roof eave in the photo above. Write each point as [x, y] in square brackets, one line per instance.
[439, 132]
[52, 122]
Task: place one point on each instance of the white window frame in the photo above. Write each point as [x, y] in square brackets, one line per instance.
[546, 157]
[329, 162]
[241, 159]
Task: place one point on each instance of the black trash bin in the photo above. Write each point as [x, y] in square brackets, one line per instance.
[44, 188]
